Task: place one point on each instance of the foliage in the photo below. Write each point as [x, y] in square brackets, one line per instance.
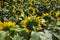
[29, 19]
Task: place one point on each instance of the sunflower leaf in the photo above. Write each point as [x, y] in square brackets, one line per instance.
[41, 35]
[34, 36]
[17, 37]
[16, 29]
[2, 35]
[58, 22]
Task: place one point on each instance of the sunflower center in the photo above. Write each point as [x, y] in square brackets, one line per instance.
[18, 12]
[48, 19]
[31, 24]
[30, 11]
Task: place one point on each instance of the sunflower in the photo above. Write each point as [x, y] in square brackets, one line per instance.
[31, 23]
[9, 24]
[47, 19]
[4, 24]
[5, 3]
[19, 13]
[57, 15]
[31, 10]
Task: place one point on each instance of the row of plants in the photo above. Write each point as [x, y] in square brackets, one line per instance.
[29, 19]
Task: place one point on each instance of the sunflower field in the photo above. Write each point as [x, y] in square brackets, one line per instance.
[29, 19]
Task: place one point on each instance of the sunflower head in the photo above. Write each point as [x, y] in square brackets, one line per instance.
[4, 25]
[31, 23]
[31, 10]
[5, 3]
[46, 19]
[9, 24]
[19, 13]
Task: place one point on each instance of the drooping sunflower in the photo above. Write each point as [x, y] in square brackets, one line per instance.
[31, 23]
[47, 19]
[57, 15]
[31, 10]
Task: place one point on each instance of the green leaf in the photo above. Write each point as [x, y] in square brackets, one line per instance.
[2, 35]
[16, 29]
[58, 22]
[17, 37]
[46, 35]
[56, 32]
[56, 35]
[34, 36]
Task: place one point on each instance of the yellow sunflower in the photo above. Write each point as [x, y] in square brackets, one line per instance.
[57, 15]
[31, 23]
[47, 19]
[18, 13]
[51, 12]
[31, 10]
[5, 25]
[5, 3]
[9, 24]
